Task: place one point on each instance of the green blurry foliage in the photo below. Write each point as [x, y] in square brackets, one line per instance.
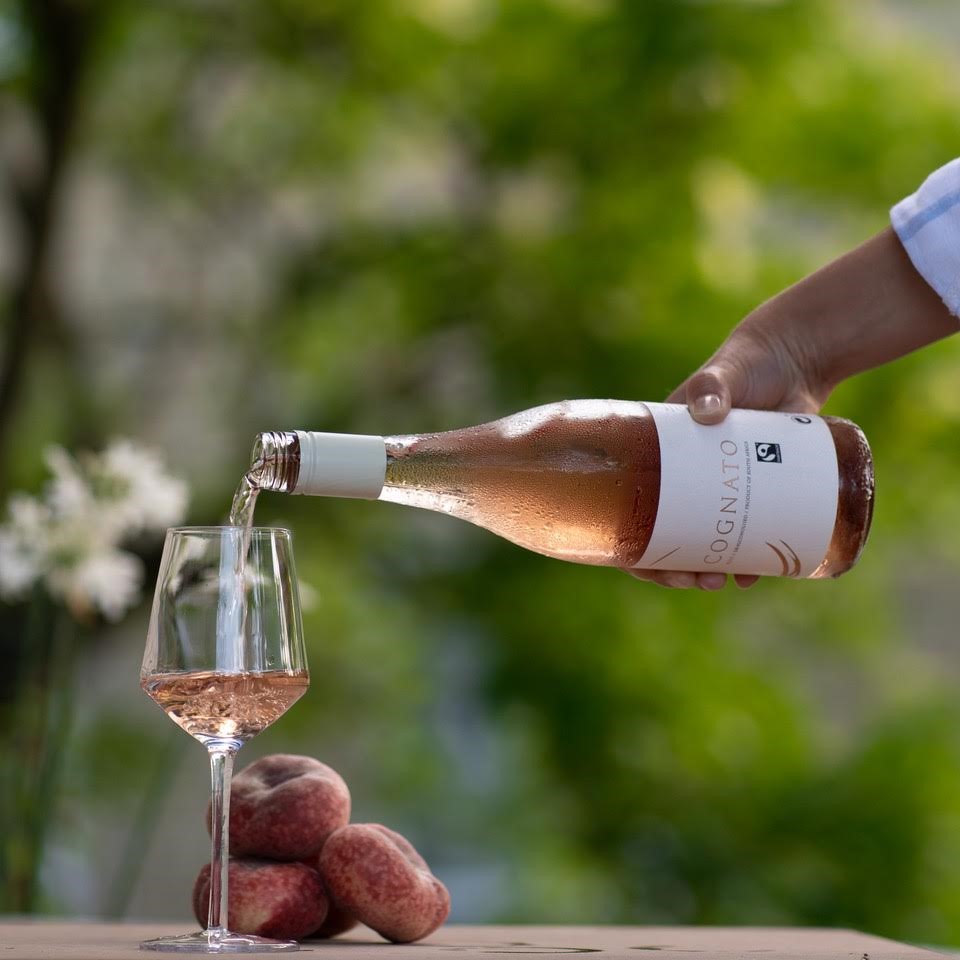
[389, 217]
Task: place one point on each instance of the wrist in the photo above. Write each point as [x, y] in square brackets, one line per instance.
[863, 309]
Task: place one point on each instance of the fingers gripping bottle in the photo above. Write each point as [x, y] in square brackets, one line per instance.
[616, 483]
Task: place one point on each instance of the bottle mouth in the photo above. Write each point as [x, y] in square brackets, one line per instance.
[275, 461]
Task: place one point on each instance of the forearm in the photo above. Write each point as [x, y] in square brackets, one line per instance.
[861, 310]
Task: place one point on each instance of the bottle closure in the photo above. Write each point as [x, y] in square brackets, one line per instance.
[341, 465]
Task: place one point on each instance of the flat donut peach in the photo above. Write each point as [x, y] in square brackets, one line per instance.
[378, 877]
[284, 807]
[285, 901]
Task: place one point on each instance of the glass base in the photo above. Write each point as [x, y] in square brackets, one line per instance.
[218, 941]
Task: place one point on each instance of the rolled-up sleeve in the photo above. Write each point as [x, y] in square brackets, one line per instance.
[928, 225]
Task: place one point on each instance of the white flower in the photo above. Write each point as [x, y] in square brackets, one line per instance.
[106, 580]
[136, 488]
[68, 493]
[71, 538]
[123, 490]
[23, 546]
[19, 568]
[29, 518]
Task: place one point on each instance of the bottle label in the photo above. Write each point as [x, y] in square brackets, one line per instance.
[754, 494]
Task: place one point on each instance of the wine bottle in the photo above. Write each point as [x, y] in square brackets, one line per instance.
[616, 483]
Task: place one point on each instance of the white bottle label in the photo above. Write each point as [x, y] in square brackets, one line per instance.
[754, 494]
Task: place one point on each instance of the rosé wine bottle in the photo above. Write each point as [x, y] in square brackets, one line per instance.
[613, 482]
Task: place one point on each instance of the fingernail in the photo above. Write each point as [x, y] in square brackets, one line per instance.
[680, 580]
[706, 405]
[712, 581]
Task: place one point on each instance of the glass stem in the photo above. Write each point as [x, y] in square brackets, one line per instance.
[221, 768]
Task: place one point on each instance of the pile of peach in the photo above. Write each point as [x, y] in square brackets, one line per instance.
[299, 869]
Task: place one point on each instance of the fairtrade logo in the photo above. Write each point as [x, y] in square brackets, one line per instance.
[788, 557]
[768, 452]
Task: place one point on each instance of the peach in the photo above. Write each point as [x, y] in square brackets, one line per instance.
[284, 806]
[285, 901]
[378, 877]
[337, 921]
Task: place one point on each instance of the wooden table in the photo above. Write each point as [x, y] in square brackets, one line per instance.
[71, 940]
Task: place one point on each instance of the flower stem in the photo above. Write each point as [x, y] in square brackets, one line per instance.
[144, 825]
[23, 758]
[55, 731]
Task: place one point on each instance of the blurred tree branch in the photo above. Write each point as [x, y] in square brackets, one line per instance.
[61, 35]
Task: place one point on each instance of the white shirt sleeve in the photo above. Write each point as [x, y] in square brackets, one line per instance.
[928, 225]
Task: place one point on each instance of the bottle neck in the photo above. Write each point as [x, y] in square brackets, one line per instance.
[320, 464]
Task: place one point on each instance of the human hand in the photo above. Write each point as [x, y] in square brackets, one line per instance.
[764, 364]
[866, 308]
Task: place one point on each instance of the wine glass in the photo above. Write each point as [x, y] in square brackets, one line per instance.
[224, 658]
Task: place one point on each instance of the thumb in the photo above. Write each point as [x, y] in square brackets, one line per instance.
[708, 393]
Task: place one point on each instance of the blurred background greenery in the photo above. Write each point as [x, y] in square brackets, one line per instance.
[402, 215]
